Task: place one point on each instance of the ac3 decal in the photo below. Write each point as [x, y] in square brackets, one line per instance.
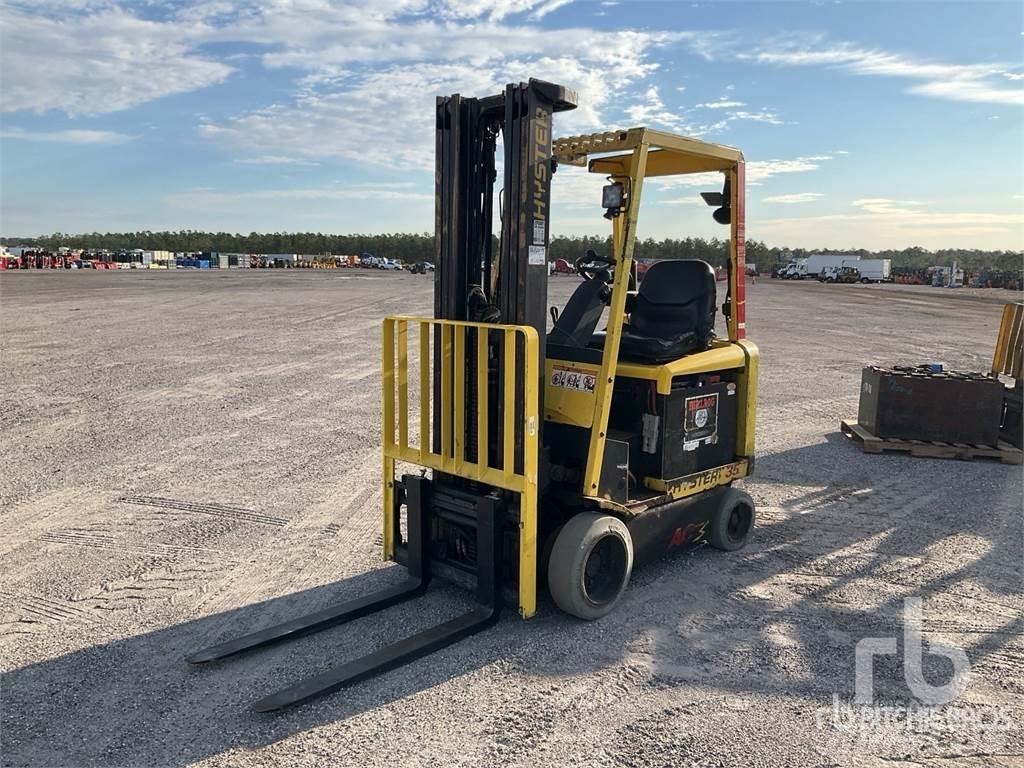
[692, 533]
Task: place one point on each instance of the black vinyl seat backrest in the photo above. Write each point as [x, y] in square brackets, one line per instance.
[675, 297]
[673, 313]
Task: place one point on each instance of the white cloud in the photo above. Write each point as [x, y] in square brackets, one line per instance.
[548, 7]
[758, 171]
[653, 112]
[761, 170]
[383, 114]
[957, 82]
[694, 199]
[799, 197]
[95, 61]
[886, 207]
[573, 187]
[385, 117]
[68, 136]
[883, 223]
[497, 9]
[203, 199]
[761, 116]
[111, 59]
[274, 160]
[722, 103]
[969, 90]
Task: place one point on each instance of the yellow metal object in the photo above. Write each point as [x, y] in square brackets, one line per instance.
[746, 388]
[569, 392]
[690, 155]
[623, 237]
[387, 375]
[499, 471]
[1010, 343]
[642, 153]
[722, 356]
[698, 482]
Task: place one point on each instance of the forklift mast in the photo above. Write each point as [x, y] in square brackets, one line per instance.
[513, 286]
[471, 282]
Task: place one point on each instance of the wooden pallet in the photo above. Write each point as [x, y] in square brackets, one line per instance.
[871, 443]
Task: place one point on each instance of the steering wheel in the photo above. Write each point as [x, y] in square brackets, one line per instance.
[594, 267]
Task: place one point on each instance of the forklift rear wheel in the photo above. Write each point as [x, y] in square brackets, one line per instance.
[733, 522]
[590, 565]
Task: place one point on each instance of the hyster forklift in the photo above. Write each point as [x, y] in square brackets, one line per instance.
[562, 456]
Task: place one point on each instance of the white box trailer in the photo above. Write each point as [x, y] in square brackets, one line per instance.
[872, 270]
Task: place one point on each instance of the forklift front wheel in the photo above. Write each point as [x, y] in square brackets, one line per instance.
[733, 522]
[590, 565]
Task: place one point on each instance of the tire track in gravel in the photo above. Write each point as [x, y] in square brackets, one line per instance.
[215, 510]
[33, 514]
[48, 611]
[341, 312]
[302, 554]
[89, 540]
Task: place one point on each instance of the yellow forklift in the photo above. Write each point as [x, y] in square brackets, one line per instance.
[518, 456]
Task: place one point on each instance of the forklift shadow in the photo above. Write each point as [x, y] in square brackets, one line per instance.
[136, 701]
[914, 503]
[842, 538]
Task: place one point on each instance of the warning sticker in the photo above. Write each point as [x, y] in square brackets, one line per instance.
[537, 257]
[538, 232]
[570, 378]
[701, 419]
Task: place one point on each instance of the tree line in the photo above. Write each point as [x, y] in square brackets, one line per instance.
[420, 247]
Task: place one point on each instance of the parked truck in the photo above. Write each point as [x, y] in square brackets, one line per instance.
[872, 270]
[812, 266]
[868, 271]
[843, 274]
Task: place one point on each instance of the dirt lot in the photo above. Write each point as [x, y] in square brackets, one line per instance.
[189, 455]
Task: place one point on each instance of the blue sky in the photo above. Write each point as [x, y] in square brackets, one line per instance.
[864, 124]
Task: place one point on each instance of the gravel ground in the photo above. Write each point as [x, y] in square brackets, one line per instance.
[189, 455]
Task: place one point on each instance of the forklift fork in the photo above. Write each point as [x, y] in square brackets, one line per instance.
[484, 615]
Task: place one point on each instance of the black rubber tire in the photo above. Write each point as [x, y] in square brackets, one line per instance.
[601, 542]
[544, 565]
[733, 522]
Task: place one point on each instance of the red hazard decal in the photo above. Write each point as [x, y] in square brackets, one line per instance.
[692, 533]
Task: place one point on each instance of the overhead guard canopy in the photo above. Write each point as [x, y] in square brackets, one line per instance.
[670, 155]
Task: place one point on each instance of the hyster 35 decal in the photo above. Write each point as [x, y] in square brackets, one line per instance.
[691, 484]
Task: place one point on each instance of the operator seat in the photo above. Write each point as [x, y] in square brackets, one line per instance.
[673, 313]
